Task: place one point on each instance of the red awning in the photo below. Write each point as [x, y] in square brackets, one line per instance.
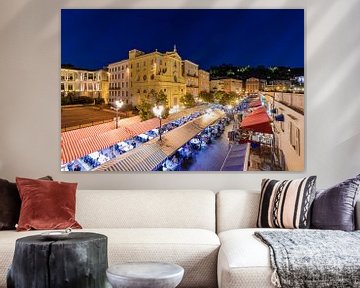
[257, 121]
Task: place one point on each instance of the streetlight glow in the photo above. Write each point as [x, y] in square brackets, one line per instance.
[158, 110]
[118, 105]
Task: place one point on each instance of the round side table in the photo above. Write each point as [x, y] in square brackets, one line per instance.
[145, 275]
[78, 261]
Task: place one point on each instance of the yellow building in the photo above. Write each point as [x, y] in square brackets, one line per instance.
[252, 85]
[191, 75]
[288, 134]
[217, 85]
[82, 82]
[226, 85]
[278, 86]
[120, 82]
[156, 71]
[204, 81]
[232, 85]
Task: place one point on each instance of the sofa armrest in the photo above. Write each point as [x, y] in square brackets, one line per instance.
[357, 215]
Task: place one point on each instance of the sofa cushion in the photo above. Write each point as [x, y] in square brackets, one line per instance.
[10, 204]
[244, 261]
[236, 209]
[286, 204]
[194, 249]
[46, 204]
[152, 209]
[334, 208]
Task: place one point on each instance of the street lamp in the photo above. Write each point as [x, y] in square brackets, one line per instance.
[158, 110]
[118, 105]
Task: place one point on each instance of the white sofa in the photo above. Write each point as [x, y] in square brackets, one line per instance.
[243, 261]
[175, 226]
[141, 225]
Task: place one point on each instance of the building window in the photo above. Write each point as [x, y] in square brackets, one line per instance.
[70, 87]
[122, 75]
[62, 86]
[297, 146]
[144, 77]
[295, 137]
[144, 91]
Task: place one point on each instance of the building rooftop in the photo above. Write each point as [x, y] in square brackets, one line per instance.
[72, 67]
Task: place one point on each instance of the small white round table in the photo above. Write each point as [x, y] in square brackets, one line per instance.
[145, 275]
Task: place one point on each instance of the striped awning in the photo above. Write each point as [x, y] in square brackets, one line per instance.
[78, 143]
[75, 149]
[86, 132]
[144, 159]
[148, 156]
[142, 127]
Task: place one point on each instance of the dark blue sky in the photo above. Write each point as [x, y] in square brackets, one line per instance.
[92, 38]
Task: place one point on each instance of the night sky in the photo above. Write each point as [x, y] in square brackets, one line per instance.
[94, 38]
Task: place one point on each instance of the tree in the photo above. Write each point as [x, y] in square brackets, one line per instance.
[218, 96]
[232, 97]
[99, 100]
[206, 96]
[188, 100]
[147, 103]
[144, 109]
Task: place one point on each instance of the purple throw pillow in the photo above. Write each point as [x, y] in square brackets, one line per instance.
[334, 208]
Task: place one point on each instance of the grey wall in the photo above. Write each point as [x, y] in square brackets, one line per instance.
[30, 100]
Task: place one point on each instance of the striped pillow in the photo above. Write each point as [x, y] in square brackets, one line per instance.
[286, 204]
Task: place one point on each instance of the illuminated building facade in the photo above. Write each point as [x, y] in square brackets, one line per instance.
[204, 81]
[120, 82]
[191, 75]
[94, 84]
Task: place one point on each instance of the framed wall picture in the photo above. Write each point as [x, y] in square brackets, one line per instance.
[182, 90]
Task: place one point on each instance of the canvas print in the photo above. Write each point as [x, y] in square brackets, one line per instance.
[182, 90]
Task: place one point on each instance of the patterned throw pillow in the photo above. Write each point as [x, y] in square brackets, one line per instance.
[286, 204]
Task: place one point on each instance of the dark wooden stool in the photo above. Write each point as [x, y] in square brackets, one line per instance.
[78, 261]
